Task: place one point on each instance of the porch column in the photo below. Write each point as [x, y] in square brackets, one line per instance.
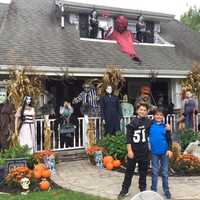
[176, 93]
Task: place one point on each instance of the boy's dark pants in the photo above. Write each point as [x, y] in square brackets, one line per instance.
[130, 169]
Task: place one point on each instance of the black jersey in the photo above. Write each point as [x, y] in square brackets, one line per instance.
[137, 136]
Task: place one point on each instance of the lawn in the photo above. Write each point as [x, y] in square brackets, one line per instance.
[51, 195]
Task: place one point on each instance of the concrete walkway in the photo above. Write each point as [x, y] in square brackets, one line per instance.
[83, 177]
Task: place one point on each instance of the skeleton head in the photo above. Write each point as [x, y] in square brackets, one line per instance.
[25, 182]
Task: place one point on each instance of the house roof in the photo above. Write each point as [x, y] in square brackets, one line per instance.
[31, 35]
[186, 41]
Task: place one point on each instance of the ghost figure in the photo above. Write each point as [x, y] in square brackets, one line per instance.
[25, 183]
[25, 124]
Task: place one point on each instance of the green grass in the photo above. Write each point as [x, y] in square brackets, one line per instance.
[52, 195]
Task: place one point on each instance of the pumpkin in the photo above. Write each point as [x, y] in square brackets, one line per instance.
[37, 174]
[46, 173]
[116, 163]
[109, 166]
[107, 159]
[44, 185]
[40, 166]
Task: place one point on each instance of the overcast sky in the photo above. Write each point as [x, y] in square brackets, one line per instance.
[176, 7]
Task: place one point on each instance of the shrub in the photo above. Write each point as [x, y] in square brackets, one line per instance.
[15, 152]
[186, 136]
[115, 145]
[187, 165]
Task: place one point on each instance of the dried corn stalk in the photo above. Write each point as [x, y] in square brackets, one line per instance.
[113, 77]
[21, 84]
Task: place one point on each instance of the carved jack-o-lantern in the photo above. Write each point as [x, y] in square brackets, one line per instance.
[145, 91]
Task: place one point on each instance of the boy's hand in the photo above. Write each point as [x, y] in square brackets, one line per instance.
[169, 154]
[168, 127]
[130, 154]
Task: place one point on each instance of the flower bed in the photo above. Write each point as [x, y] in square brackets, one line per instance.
[187, 165]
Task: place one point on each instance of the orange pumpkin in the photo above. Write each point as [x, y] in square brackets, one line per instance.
[109, 166]
[37, 174]
[46, 173]
[40, 166]
[44, 185]
[116, 163]
[107, 159]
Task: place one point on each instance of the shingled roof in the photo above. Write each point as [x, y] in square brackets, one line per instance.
[31, 34]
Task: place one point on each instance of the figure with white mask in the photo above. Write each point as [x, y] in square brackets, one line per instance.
[25, 124]
[111, 111]
[7, 119]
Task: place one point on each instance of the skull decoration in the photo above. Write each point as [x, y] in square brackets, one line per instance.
[25, 182]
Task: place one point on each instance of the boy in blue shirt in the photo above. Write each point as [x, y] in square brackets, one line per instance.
[160, 142]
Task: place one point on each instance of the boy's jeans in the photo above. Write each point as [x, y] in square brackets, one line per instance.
[160, 161]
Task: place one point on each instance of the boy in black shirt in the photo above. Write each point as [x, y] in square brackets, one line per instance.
[138, 150]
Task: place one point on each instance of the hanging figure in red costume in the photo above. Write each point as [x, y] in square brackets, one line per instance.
[123, 37]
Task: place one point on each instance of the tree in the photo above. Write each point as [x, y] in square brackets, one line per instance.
[192, 82]
[191, 18]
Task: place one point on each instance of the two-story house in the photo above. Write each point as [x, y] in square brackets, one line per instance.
[53, 37]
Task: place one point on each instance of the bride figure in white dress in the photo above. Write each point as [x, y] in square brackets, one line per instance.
[25, 122]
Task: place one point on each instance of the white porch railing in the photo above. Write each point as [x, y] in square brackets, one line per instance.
[78, 138]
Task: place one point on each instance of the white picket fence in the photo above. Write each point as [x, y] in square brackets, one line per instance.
[78, 138]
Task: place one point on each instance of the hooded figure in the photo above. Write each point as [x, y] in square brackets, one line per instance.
[111, 111]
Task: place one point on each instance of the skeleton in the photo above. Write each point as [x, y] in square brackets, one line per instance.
[25, 182]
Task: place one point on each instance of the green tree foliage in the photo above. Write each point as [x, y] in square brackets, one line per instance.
[191, 18]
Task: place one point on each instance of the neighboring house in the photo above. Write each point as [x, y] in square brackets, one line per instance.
[31, 34]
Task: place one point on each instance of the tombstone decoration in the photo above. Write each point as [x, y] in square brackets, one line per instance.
[15, 162]
[49, 161]
[99, 159]
[193, 148]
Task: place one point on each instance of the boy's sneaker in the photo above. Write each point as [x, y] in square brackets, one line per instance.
[122, 194]
[168, 195]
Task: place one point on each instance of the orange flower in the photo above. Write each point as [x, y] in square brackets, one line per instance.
[91, 150]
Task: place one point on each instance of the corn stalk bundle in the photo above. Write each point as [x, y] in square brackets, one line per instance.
[113, 76]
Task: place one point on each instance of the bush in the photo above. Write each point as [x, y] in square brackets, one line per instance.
[187, 165]
[115, 145]
[186, 136]
[15, 152]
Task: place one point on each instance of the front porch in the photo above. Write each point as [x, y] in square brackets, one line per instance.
[79, 137]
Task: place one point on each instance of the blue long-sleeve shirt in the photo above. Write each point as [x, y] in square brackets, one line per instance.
[159, 138]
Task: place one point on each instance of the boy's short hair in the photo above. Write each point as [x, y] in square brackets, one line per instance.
[142, 104]
[158, 110]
